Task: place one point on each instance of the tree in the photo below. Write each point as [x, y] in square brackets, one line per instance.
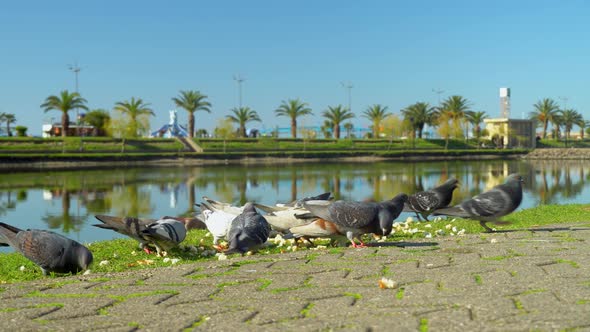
[583, 124]
[337, 115]
[451, 115]
[64, 102]
[137, 111]
[192, 101]
[476, 118]
[569, 118]
[9, 118]
[241, 116]
[376, 113]
[224, 130]
[99, 119]
[419, 115]
[326, 129]
[348, 127]
[21, 131]
[393, 127]
[544, 112]
[293, 108]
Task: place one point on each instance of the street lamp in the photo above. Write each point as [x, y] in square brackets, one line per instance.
[76, 70]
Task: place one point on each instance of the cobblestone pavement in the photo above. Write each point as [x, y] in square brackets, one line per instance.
[513, 281]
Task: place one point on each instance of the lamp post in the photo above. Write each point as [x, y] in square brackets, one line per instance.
[348, 86]
[239, 79]
[76, 70]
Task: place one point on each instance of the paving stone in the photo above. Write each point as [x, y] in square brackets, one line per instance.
[523, 280]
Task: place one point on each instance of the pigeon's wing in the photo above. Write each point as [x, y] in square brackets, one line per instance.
[488, 204]
[344, 213]
[319, 208]
[168, 232]
[271, 209]
[129, 226]
[43, 248]
[423, 201]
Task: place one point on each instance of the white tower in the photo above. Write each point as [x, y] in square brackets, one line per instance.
[505, 103]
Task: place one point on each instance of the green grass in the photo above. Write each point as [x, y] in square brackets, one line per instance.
[124, 254]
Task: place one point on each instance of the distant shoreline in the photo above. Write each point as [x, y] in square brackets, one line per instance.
[31, 163]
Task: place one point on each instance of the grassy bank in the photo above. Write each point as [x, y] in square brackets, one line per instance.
[123, 254]
[35, 153]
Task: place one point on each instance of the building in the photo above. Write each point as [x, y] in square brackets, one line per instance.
[511, 133]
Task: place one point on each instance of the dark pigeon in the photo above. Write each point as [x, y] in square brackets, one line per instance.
[163, 234]
[248, 231]
[491, 205]
[425, 202]
[358, 218]
[50, 251]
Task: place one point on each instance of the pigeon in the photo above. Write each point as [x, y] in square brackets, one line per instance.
[50, 251]
[217, 221]
[281, 219]
[221, 206]
[248, 231]
[490, 205]
[317, 228]
[425, 202]
[163, 234]
[358, 218]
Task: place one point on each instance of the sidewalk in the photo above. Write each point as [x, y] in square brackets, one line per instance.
[512, 281]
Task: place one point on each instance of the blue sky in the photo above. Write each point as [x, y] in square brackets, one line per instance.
[393, 52]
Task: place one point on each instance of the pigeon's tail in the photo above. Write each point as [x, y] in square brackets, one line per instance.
[270, 209]
[453, 211]
[8, 234]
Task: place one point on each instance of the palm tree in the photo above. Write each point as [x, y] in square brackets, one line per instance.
[583, 124]
[134, 109]
[64, 102]
[376, 113]
[569, 118]
[419, 115]
[476, 118]
[556, 123]
[337, 115]
[455, 107]
[326, 128]
[9, 118]
[192, 101]
[293, 108]
[544, 111]
[241, 116]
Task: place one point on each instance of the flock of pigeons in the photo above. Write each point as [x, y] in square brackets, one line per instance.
[245, 229]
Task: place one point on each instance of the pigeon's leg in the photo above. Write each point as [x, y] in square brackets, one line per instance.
[145, 248]
[487, 228]
[418, 216]
[350, 236]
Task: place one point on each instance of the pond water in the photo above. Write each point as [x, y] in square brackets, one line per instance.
[66, 201]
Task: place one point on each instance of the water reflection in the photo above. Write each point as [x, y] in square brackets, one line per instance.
[67, 201]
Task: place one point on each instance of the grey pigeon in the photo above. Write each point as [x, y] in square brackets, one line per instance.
[490, 205]
[358, 218]
[50, 251]
[248, 231]
[425, 202]
[163, 234]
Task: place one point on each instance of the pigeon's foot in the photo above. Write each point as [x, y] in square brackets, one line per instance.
[147, 250]
[487, 228]
[360, 245]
